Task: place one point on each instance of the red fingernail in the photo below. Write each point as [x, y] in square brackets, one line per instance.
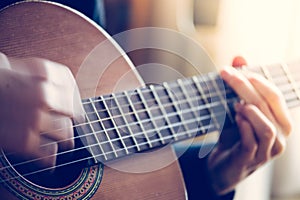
[239, 61]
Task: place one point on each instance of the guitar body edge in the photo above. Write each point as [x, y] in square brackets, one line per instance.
[31, 29]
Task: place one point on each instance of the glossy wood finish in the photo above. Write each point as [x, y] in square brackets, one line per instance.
[53, 32]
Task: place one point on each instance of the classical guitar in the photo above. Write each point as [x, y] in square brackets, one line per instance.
[122, 149]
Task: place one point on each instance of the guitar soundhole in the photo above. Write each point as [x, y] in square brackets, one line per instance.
[66, 171]
[55, 178]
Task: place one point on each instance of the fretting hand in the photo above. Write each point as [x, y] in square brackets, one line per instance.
[264, 124]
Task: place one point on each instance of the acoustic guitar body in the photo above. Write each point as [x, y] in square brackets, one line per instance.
[57, 33]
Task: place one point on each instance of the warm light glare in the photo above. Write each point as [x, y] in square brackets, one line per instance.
[263, 30]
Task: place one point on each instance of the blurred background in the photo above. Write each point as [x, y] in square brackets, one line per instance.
[263, 31]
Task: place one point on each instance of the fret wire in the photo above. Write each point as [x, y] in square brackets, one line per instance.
[229, 100]
[162, 110]
[291, 80]
[107, 141]
[278, 81]
[276, 71]
[150, 114]
[180, 83]
[94, 132]
[289, 96]
[189, 121]
[87, 118]
[222, 98]
[286, 88]
[126, 123]
[192, 120]
[266, 73]
[78, 160]
[114, 124]
[205, 99]
[84, 102]
[293, 104]
[261, 72]
[210, 105]
[104, 142]
[105, 130]
[172, 114]
[278, 75]
[175, 124]
[195, 130]
[166, 85]
[138, 118]
[201, 118]
[212, 95]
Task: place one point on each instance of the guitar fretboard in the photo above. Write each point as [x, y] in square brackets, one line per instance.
[137, 120]
[286, 77]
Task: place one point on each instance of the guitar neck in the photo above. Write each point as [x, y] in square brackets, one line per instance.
[138, 120]
[286, 77]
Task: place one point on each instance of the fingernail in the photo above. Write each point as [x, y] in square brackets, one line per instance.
[239, 61]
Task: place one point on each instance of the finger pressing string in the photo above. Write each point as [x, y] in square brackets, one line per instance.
[263, 129]
[274, 98]
[245, 90]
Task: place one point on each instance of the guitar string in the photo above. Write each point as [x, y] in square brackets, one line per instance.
[98, 155]
[113, 140]
[141, 133]
[76, 161]
[120, 149]
[182, 101]
[107, 99]
[279, 73]
[86, 158]
[132, 146]
[200, 108]
[289, 95]
[134, 123]
[92, 157]
[108, 119]
[195, 95]
[163, 88]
